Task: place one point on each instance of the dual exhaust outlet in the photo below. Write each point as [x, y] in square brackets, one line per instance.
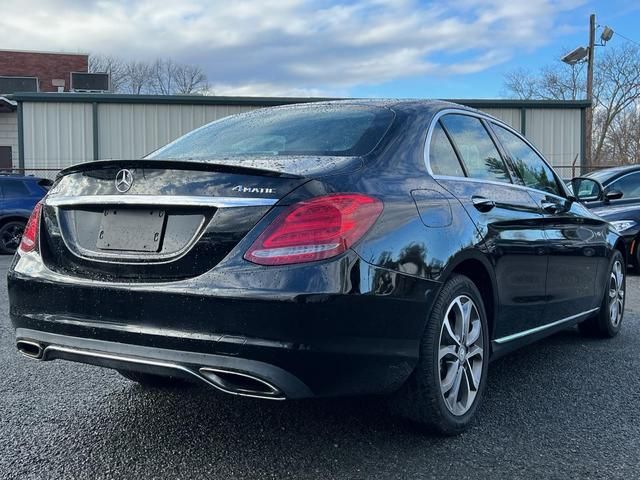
[228, 381]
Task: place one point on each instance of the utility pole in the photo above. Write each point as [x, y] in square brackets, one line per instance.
[588, 117]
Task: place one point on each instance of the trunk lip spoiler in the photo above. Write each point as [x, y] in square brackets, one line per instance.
[168, 200]
[179, 164]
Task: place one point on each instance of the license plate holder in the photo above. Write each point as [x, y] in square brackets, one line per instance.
[131, 230]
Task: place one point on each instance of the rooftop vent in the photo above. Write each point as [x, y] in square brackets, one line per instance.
[10, 85]
[89, 82]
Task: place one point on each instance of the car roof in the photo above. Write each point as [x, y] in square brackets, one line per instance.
[17, 176]
[393, 103]
[608, 174]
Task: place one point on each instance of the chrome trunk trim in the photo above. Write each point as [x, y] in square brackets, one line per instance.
[168, 200]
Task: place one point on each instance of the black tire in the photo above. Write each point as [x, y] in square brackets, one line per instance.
[422, 399]
[10, 236]
[602, 324]
[151, 380]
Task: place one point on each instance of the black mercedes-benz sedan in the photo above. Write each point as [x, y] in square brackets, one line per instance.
[347, 248]
[614, 194]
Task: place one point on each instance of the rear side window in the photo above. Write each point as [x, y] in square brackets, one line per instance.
[629, 185]
[479, 154]
[528, 164]
[15, 188]
[318, 130]
[442, 156]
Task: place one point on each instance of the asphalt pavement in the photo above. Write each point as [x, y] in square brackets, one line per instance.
[566, 407]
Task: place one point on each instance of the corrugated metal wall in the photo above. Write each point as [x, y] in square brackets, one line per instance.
[557, 134]
[133, 130]
[58, 134]
[510, 116]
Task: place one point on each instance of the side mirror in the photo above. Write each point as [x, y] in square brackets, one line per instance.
[612, 195]
[586, 189]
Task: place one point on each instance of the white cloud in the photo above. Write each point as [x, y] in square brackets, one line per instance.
[322, 47]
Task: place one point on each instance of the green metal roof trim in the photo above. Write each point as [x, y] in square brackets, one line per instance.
[511, 103]
[265, 101]
[161, 99]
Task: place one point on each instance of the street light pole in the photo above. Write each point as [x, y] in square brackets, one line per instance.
[588, 118]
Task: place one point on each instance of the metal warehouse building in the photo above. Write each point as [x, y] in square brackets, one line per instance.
[55, 130]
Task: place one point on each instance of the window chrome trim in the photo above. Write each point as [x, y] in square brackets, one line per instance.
[488, 118]
[168, 200]
[541, 328]
[432, 125]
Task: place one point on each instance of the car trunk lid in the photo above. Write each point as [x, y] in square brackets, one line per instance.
[153, 220]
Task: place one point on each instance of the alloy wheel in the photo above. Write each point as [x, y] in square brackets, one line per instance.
[461, 355]
[616, 294]
[11, 237]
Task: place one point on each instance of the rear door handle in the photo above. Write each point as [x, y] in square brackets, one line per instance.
[483, 204]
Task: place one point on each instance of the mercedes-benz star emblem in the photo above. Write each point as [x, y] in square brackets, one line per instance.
[124, 180]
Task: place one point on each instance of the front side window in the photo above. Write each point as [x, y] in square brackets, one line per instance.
[629, 185]
[479, 154]
[528, 164]
[318, 130]
[442, 156]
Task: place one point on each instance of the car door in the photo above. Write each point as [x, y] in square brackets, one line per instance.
[507, 219]
[576, 239]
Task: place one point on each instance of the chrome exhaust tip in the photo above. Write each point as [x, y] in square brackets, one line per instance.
[30, 349]
[238, 383]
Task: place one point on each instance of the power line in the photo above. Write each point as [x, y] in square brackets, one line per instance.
[627, 38]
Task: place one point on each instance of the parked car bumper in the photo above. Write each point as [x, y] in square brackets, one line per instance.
[301, 344]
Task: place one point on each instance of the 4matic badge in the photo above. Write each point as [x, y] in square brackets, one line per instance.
[245, 189]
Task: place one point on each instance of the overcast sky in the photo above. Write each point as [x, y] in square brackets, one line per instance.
[403, 48]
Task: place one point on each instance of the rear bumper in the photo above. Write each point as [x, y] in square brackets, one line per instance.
[269, 381]
[303, 344]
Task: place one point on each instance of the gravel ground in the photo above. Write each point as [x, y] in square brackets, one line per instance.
[566, 407]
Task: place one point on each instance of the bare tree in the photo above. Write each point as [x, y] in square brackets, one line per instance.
[114, 66]
[521, 83]
[190, 79]
[163, 76]
[623, 141]
[616, 92]
[555, 82]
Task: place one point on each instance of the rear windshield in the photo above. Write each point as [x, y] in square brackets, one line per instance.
[318, 130]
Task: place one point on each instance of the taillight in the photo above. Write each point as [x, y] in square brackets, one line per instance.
[30, 235]
[315, 229]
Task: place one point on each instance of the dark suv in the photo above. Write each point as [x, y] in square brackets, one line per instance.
[18, 195]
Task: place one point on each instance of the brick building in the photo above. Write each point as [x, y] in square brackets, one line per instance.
[30, 71]
[48, 68]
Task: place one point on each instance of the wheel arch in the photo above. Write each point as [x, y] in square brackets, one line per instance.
[479, 270]
[621, 246]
